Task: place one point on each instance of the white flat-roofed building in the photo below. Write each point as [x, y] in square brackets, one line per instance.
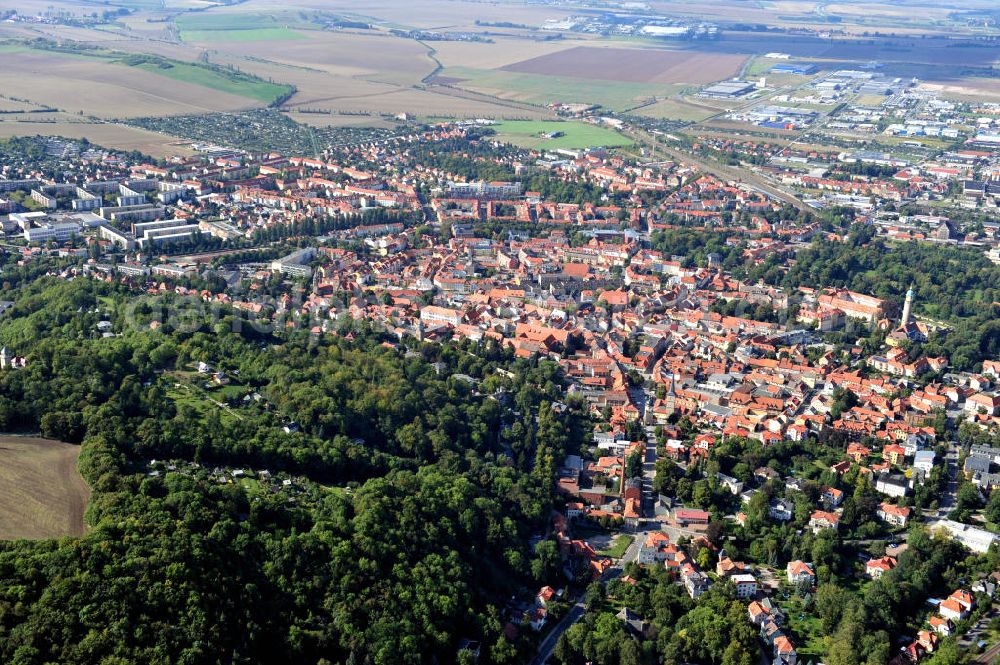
[58, 231]
[746, 585]
[976, 539]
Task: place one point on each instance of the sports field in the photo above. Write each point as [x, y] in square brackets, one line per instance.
[532, 134]
[41, 493]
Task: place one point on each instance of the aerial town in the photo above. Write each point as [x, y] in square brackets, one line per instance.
[754, 423]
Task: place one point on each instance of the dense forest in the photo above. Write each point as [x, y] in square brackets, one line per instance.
[425, 489]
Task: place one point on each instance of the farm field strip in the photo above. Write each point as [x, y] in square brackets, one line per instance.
[633, 65]
[42, 495]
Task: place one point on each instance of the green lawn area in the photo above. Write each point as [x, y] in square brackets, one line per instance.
[251, 485]
[249, 35]
[531, 134]
[806, 628]
[339, 491]
[190, 393]
[543, 89]
[262, 91]
[617, 549]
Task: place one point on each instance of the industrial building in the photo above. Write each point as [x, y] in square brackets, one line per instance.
[728, 89]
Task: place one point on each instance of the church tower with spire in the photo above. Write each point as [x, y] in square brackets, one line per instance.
[907, 308]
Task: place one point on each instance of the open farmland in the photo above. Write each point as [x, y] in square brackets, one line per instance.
[380, 58]
[255, 35]
[540, 89]
[106, 87]
[677, 109]
[633, 65]
[41, 493]
[109, 135]
[238, 27]
[531, 134]
[261, 91]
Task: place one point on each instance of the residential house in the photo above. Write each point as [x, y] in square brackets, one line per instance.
[800, 572]
[876, 567]
[746, 585]
[821, 519]
[784, 651]
[895, 515]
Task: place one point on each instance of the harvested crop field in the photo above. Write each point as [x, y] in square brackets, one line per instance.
[372, 57]
[107, 135]
[41, 493]
[99, 87]
[633, 65]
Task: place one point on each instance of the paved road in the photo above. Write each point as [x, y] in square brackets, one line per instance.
[579, 608]
[978, 632]
[948, 500]
[548, 645]
[649, 474]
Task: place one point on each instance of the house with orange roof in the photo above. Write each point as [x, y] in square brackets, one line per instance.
[964, 598]
[821, 519]
[952, 609]
[858, 452]
[927, 640]
[799, 572]
[832, 496]
[876, 567]
[941, 625]
[545, 596]
[894, 454]
[840, 468]
[893, 514]
[784, 651]
[757, 613]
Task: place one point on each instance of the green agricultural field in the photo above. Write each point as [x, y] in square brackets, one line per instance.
[261, 91]
[228, 21]
[531, 134]
[542, 89]
[249, 35]
[233, 27]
